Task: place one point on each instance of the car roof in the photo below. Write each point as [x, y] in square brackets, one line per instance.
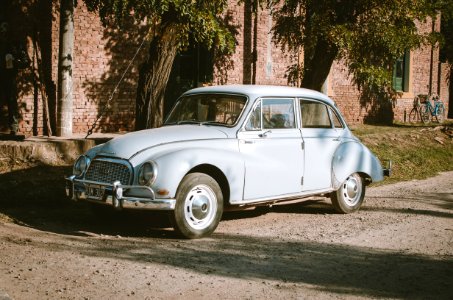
[255, 91]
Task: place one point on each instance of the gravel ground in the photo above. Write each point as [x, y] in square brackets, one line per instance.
[399, 245]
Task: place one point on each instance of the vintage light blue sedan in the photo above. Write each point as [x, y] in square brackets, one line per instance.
[230, 147]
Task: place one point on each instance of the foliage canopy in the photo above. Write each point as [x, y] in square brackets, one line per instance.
[369, 35]
[198, 20]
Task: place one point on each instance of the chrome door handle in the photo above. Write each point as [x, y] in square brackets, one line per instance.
[264, 134]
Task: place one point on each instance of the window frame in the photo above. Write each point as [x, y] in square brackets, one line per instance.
[250, 114]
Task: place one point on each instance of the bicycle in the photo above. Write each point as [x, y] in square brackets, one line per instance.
[415, 115]
[429, 111]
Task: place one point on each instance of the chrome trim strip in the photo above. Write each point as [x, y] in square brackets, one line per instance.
[285, 197]
[136, 203]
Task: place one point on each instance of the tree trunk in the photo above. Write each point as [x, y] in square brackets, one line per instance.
[153, 79]
[65, 59]
[317, 63]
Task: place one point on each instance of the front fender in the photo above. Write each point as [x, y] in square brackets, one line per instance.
[175, 160]
[175, 165]
[353, 157]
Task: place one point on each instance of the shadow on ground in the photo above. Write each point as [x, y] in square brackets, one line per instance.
[35, 198]
[443, 201]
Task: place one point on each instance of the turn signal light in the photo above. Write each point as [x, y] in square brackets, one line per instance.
[163, 192]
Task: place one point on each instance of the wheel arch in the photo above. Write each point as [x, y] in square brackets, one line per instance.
[224, 165]
[217, 175]
[366, 178]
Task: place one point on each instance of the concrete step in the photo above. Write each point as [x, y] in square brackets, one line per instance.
[54, 151]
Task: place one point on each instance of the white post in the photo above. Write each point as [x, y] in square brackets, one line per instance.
[65, 60]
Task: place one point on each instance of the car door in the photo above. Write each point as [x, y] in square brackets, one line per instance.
[272, 148]
[321, 131]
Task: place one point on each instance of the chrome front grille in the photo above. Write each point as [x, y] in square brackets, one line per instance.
[107, 171]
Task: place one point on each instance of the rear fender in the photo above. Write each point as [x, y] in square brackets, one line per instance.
[353, 157]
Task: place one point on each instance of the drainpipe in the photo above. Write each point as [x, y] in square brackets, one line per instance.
[439, 77]
[431, 65]
[255, 41]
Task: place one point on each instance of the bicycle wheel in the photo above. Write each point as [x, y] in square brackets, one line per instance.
[414, 116]
[425, 114]
[440, 116]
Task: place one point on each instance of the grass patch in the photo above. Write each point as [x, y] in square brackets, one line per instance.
[417, 151]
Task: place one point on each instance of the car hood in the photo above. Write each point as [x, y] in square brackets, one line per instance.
[129, 144]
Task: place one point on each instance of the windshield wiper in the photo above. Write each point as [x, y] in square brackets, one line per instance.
[213, 123]
[196, 122]
[188, 122]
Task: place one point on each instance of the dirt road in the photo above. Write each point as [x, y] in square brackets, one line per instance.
[400, 245]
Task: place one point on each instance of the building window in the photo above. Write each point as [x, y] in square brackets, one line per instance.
[401, 73]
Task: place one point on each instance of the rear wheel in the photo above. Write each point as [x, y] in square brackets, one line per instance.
[199, 206]
[349, 197]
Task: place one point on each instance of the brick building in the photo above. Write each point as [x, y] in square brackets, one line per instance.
[102, 54]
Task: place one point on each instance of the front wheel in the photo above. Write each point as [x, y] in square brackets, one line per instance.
[440, 114]
[199, 206]
[414, 115]
[426, 115]
[349, 197]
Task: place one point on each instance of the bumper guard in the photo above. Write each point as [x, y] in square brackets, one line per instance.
[388, 168]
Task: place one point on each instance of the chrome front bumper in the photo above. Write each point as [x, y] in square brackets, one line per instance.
[113, 195]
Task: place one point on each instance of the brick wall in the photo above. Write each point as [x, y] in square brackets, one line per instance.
[102, 54]
[444, 79]
[271, 62]
[359, 110]
[100, 57]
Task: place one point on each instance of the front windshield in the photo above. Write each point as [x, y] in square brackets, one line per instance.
[207, 109]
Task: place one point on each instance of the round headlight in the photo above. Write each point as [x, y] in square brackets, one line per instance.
[147, 173]
[81, 165]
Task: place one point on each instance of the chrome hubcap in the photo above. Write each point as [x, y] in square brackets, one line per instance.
[200, 207]
[352, 190]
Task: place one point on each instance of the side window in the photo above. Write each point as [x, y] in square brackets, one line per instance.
[335, 119]
[254, 122]
[314, 115]
[278, 113]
